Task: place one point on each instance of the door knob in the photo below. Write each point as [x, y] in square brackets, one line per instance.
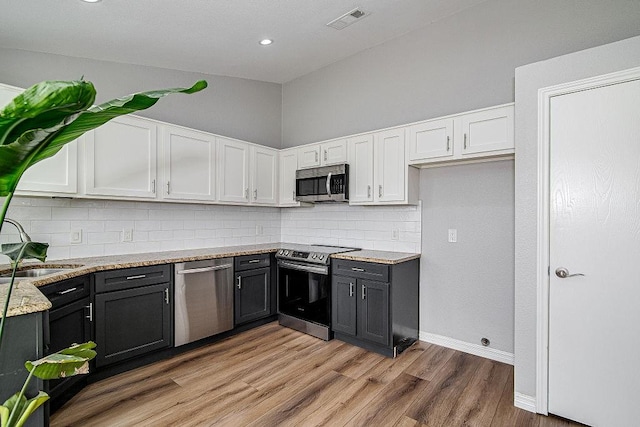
[563, 273]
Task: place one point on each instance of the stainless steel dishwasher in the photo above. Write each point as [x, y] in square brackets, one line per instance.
[203, 299]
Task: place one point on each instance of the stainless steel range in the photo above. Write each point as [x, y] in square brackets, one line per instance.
[304, 288]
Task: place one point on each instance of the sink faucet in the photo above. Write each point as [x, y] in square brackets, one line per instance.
[24, 237]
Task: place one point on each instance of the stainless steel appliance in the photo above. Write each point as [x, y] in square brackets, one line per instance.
[304, 288]
[203, 299]
[323, 184]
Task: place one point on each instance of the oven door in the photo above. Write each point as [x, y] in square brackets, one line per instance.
[304, 291]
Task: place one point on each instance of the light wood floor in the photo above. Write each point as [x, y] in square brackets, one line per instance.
[274, 376]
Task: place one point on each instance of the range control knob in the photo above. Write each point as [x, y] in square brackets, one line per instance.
[286, 253]
[280, 252]
[314, 256]
[321, 257]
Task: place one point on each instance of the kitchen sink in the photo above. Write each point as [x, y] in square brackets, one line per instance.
[35, 272]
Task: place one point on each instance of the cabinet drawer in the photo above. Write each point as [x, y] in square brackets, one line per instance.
[249, 262]
[66, 291]
[361, 270]
[128, 278]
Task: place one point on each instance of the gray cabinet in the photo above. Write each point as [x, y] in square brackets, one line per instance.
[252, 299]
[133, 312]
[375, 306]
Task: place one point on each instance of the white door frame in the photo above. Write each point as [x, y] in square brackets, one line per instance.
[542, 323]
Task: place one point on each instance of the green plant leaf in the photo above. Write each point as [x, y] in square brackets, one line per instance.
[23, 250]
[30, 407]
[4, 415]
[71, 361]
[15, 403]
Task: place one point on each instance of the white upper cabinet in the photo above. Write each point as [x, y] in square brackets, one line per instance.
[120, 158]
[233, 171]
[487, 131]
[309, 156]
[390, 165]
[483, 134]
[323, 154]
[288, 167]
[361, 169]
[264, 170]
[430, 140]
[188, 164]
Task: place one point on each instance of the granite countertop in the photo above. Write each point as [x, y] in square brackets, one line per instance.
[381, 257]
[27, 299]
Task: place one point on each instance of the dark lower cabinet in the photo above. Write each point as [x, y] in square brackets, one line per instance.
[133, 320]
[252, 295]
[378, 315]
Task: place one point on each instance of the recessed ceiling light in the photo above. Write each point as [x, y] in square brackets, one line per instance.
[91, 1]
[266, 42]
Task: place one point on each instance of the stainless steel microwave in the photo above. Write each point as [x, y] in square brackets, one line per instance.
[323, 184]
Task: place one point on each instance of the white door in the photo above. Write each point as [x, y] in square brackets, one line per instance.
[265, 173]
[430, 140]
[361, 169]
[391, 167]
[594, 320]
[308, 156]
[233, 171]
[487, 131]
[120, 158]
[334, 152]
[189, 164]
[288, 167]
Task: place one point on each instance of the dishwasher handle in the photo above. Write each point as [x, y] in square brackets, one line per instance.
[205, 269]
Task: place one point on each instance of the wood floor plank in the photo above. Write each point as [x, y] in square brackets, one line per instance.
[432, 359]
[508, 415]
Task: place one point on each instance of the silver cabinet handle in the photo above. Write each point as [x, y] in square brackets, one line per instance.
[90, 308]
[448, 139]
[246, 193]
[204, 269]
[239, 284]
[255, 194]
[66, 291]
[329, 185]
[139, 276]
[166, 295]
[351, 289]
[253, 261]
[153, 186]
[364, 292]
[168, 187]
[325, 155]
[465, 141]
[563, 273]
[379, 190]
[368, 191]
[357, 269]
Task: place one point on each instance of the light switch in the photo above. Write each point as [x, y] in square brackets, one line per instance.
[453, 235]
[127, 235]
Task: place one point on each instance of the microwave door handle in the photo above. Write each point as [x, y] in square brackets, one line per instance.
[329, 185]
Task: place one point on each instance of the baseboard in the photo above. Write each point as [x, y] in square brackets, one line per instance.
[523, 401]
[476, 349]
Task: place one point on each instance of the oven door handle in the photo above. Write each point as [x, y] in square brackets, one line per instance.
[329, 185]
[304, 267]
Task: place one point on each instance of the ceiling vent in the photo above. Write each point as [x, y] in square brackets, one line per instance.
[347, 19]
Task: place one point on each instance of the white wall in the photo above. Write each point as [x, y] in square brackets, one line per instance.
[363, 227]
[156, 226]
[529, 79]
[466, 288]
[460, 63]
[239, 108]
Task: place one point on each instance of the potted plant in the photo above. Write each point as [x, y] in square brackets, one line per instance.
[34, 126]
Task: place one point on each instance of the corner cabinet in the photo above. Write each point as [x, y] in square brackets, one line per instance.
[481, 134]
[120, 158]
[188, 164]
[375, 306]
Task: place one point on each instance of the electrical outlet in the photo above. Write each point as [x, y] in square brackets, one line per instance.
[395, 234]
[75, 236]
[258, 230]
[453, 235]
[127, 235]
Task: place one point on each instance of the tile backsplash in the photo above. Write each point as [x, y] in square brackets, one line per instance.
[158, 226]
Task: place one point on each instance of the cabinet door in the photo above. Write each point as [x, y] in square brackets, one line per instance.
[132, 322]
[288, 167]
[487, 131]
[233, 171]
[361, 169]
[265, 174]
[189, 164]
[373, 311]
[252, 295]
[390, 171]
[334, 152]
[343, 305]
[308, 156]
[120, 158]
[57, 174]
[431, 140]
